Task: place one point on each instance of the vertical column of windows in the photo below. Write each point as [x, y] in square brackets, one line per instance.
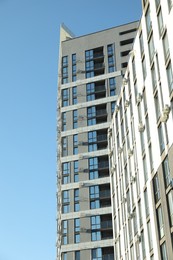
[156, 188]
[64, 122]
[65, 97]
[77, 255]
[111, 58]
[66, 172]
[64, 232]
[170, 76]
[160, 222]
[170, 206]
[65, 201]
[112, 86]
[151, 48]
[64, 69]
[77, 230]
[90, 89]
[95, 228]
[74, 67]
[64, 146]
[75, 144]
[161, 138]
[92, 141]
[74, 95]
[160, 21]
[166, 172]
[76, 171]
[76, 200]
[94, 197]
[75, 119]
[91, 115]
[93, 168]
[148, 21]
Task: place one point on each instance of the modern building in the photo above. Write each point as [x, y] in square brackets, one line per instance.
[91, 68]
[140, 141]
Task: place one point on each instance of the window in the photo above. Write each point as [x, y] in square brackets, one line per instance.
[161, 138]
[90, 88]
[111, 61]
[97, 254]
[74, 67]
[160, 222]
[75, 119]
[148, 21]
[64, 232]
[156, 188]
[170, 206]
[65, 201]
[75, 144]
[144, 70]
[64, 121]
[64, 146]
[112, 86]
[94, 197]
[91, 115]
[66, 173]
[153, 75]
[145, 169]
[160, 22]
[64, 69]
[134, 69]
[93, 168]
[95, 228]
[65, 97]
[170, 76]
[164, 251]
[74, 95]
[77, 230]
[64, 256]
[77, 255]
[141, 41]
[76, 171]
[146, 203]
[157, 106]
[143, 244]
[76, 200]
[92, 141]
[113, 107]
[166, 46]
[150, 240]
[151, 48]
[151, 157]
[166, 172]
[170, 4]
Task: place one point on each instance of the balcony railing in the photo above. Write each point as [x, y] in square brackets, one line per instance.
[101, 112]
[104, 194]
[104, 164]
[106, 224]
[101, 138]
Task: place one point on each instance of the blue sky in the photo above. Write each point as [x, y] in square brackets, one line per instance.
[29, 42]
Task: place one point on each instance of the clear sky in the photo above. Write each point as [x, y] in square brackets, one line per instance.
[29, 42]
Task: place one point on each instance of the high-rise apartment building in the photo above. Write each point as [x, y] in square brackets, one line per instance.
[91, 68]
[141, 142]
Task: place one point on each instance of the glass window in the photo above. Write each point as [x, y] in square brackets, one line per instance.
[77, 230]
[64, 146]
[170, 206]
[76, 171]
[143, 244]
[64, 123]
[91, 115]
[144, 70]
[150, 240]
[64, 232]
[160, 222]
[113, 107]
[170, 76]
[66, 172]
[134, 69]
[164, 251]
[166, 46]
[151, 48]
[160, 21]
[148, 21]
[75, 144]
[74, 67]
[92, 141]
[77, 255]
[74, 95]
[166, 172]
[65, 97]
[151, 157]
[161, 138]
[64, 69]
[147, 211]
[90, 88]
[64, 256]
[93, 168]
[153, 75]
[156, 188]
[111, 59]
[76, 200]
[141, 43]
[97, 254]
[112, 86]
[94, 197]
[65, 201]
[157, 106]
[75, 119]
[95, 228]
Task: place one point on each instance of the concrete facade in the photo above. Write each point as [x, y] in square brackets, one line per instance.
[91, 68]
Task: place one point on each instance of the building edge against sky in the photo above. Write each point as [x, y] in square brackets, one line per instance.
[141, 142]
[90, 76]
